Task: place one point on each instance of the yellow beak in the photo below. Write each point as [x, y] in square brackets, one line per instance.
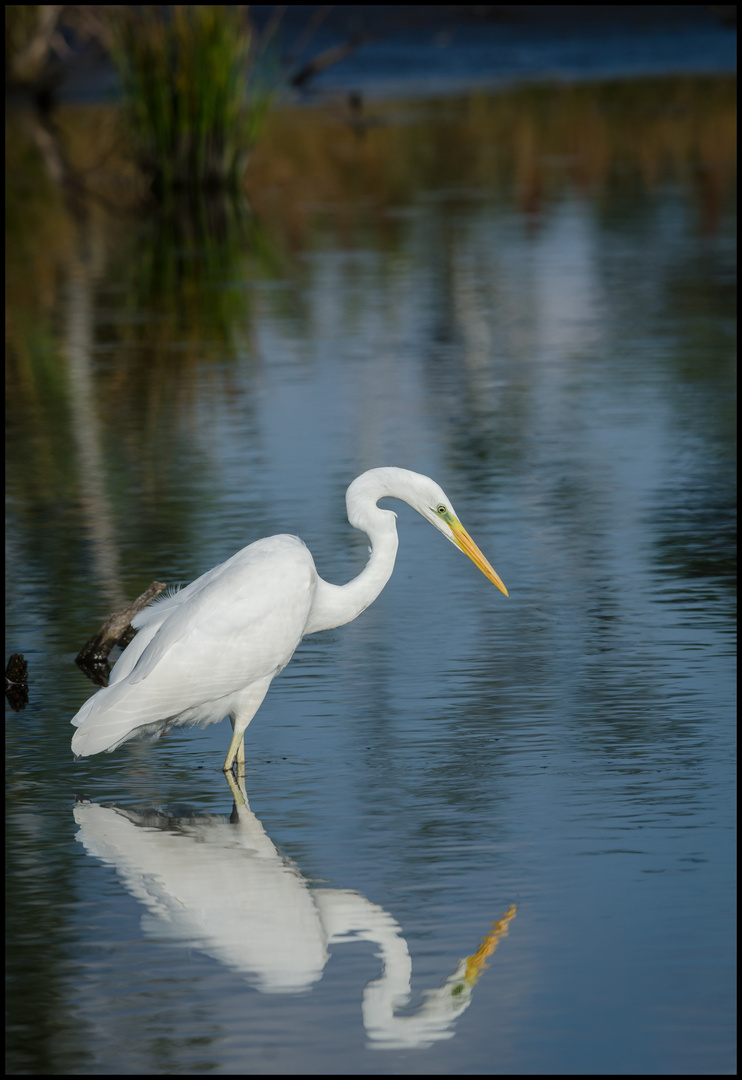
[462, 540]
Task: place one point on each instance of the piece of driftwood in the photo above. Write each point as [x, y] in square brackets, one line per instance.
[16, 682]
[117, 630]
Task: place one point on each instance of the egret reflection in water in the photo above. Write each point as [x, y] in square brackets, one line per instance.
[213, 649]
[219, 884]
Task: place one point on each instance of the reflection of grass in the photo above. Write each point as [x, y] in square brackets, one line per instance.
[185, 71]
[526, 147]
[194, 260]
[317, 171]
[315, 168]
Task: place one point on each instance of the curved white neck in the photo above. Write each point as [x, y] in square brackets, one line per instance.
[335, 605]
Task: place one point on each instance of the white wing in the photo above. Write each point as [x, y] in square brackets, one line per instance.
[221, 639]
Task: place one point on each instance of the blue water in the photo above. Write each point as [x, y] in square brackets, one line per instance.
[540, 787]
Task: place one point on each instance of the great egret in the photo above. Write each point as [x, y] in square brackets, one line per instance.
[212, 649]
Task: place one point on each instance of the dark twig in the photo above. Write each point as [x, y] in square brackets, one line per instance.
[93, 657]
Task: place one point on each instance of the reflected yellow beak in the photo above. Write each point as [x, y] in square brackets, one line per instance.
[462, 539]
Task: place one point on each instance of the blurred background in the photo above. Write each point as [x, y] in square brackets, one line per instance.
[251, 252]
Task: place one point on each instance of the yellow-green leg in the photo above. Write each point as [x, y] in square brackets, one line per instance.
[236, 752]
[244, 709]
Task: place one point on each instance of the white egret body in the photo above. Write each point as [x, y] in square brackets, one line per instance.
[212, 649]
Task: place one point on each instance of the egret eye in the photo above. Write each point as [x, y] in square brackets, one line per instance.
[441, 508]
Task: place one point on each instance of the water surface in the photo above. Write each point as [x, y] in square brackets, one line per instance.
[477, 835]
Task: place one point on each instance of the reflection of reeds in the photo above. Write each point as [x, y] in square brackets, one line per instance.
[526, 147]
[317, 173]
[185, 71]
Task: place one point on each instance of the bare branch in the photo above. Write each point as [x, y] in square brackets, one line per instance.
[93, 657]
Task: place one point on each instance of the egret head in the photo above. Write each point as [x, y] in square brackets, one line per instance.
[430, 501]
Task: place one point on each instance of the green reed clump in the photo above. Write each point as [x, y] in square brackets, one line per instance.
[187, 72]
